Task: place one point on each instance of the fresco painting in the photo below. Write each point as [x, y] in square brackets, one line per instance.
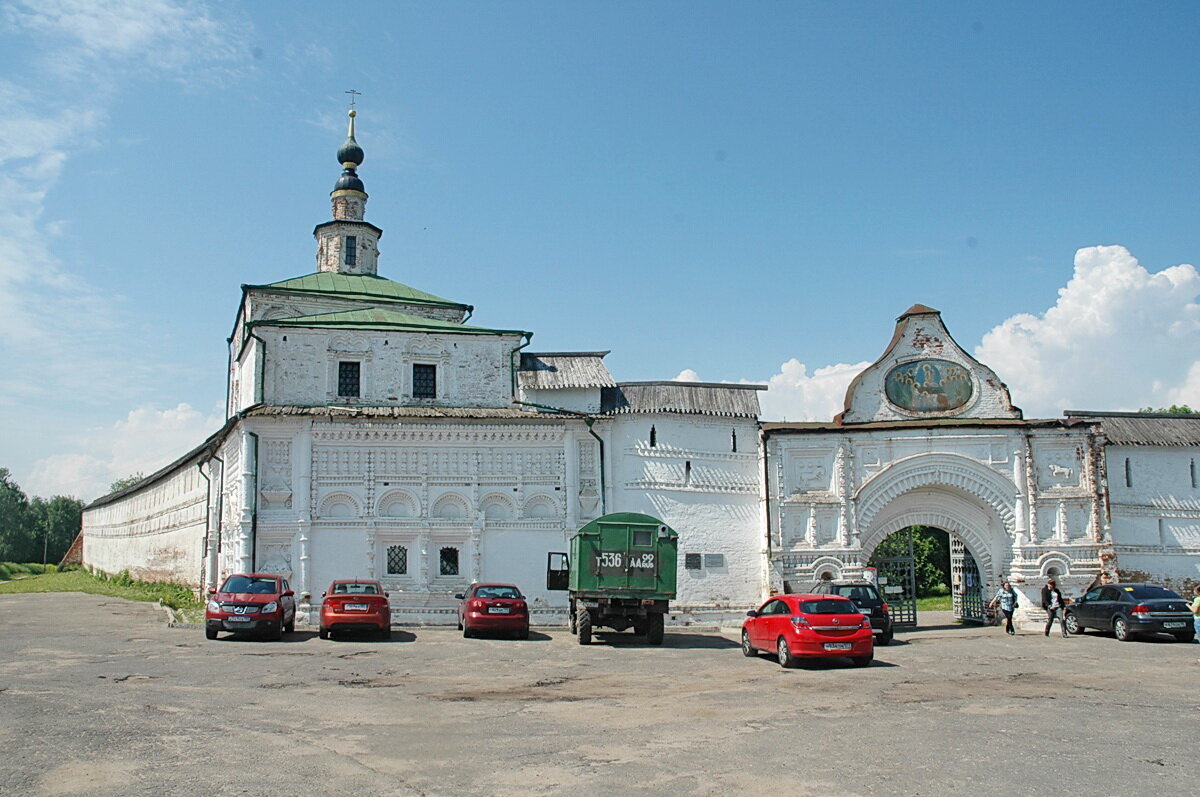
[928, 386]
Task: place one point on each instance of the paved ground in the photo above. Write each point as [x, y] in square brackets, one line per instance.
[98, 696]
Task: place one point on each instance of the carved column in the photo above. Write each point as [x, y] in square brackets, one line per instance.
[810, 526]
[1031, 491]
[246, 552]
[302, 465]
[844, 465]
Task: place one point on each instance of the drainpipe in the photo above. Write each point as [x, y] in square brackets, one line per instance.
[214, 555]
[207, 524]
[250, 496]
[512, 366]
[588, 420]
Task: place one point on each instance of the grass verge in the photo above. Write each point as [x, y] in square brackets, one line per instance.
[121, 585]
[938, 603]
[11, 570]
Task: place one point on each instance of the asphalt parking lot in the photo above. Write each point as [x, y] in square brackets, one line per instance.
[99, 696]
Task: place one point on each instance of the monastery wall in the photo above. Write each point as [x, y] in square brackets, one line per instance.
[156, 533]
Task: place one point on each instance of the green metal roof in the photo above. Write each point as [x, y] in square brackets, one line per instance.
[358, 285]
[377, 318]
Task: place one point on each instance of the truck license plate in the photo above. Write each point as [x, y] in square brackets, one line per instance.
[838, 645]
[497, 610]
[1173, 625]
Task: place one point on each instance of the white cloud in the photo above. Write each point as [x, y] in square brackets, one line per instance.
[794, 395]
[1119, 337]
[144, 441]
[687, 375]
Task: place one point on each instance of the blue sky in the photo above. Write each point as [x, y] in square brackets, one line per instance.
[732, 191]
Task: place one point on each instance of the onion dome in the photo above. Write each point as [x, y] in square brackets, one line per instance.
[350, 155]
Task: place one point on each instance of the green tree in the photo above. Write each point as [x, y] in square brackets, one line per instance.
[1174, 409]
[56, 522]
[931, 558]
[16, 535]
[128, 481]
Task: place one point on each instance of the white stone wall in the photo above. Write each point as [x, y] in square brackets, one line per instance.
[156, 533]
[302, 367]
[1155, 510]
[266, 305]
[694, 481]
[574, 399]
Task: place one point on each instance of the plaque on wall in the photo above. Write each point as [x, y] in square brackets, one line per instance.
[928, 386]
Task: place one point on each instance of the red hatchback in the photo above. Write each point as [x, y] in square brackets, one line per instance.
[796, 626]
[493, 607]
[355, 605]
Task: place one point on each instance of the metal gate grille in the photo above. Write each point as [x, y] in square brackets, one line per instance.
[898, 578]
[967, 585]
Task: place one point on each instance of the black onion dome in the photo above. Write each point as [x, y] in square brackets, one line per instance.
[350, 152]
[349, 181]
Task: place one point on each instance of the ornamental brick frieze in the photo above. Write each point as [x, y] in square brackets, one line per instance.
[661, 451]
[440, 434]
[986, 485]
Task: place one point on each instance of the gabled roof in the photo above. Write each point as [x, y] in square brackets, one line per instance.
[1144, 428]
[377, 318]
[687, 398]
[357, 286]
[558, 370]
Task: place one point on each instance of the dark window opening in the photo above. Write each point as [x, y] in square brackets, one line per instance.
[643, 538]
[448, 562]
[1192, 468]
[424, 381]
[733, 440]
[351, 250]
[653, 437]
[1128, 473]
[687, 473]
[397, 560]
[692, 561]
[348, 379]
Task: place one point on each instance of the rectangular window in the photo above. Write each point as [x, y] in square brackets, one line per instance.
[397, 560]
[351, 250]
[642, 538]
[1192, 470]
[424, 381]
[348, 379]
[1128, 473]
[448, 562]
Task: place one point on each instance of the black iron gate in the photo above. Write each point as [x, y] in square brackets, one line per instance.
[897, 577]
[967, 584]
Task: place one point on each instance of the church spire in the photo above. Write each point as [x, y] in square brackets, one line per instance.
[348, 244]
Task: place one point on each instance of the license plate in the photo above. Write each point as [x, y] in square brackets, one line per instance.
[497, 610]
[1174, 625]
[237, 619]
[838, 646]
[865, 609]
[356, 607]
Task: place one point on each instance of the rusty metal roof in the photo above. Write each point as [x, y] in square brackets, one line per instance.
[1144, 428]
[567, 369]
[687, 398]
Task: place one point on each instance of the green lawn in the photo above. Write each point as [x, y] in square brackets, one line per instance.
[939, 603]
[118, 586]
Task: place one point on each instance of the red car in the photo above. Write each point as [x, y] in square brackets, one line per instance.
[355, 605]
[258, 603]
[493, 607]
[802, 625]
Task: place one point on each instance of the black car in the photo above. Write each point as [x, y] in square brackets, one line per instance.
[866, 596]
[1128, 610]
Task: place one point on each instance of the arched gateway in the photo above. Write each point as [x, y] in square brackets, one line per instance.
[929, 437]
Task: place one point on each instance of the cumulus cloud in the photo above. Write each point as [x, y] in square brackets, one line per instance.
[144, 441]
[687, 375]
[795, 395]
[1119, 337]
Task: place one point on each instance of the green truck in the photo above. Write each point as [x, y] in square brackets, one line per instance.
[619, 574]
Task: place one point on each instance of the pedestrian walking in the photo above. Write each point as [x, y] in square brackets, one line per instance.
[1006, 601]
[1055, 605]
[1195, 607]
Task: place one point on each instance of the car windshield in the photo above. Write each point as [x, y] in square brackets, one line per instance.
[828, 606]
[1150, 593]
[857, 592]
[497, 592]
[355, 589]
[251, 584]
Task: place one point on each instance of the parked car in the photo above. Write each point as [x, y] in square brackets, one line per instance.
[809, 624]
[493, 607]
[867, 598]
[251, 603]
[1128, 610]
[355, 605]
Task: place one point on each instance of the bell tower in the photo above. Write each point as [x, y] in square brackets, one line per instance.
[348, 244]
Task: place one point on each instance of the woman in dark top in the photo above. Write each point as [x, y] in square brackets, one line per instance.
[1054, 603]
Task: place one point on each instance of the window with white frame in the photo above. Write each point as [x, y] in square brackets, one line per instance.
[397, 560]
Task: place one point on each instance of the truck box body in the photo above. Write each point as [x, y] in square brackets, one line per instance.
[624, 555]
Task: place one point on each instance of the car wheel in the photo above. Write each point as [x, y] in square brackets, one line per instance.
[654, 629]
[747, 649]
[1121, 630]
[323, 633]
[210, 633]
[1186, 636]
[275, 634]
[385, 632]
[862, 661]
[467, 632]
[1072, 623]
[459, 624]
[523, 633]
[784, 653]
[583, 626]
[886, 637]
[290, 626]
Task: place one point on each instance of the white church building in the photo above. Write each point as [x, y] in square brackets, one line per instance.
[372, 431]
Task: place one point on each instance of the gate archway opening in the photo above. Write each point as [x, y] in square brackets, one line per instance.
[926, 562]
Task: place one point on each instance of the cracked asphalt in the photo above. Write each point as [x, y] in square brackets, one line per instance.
[99, 696]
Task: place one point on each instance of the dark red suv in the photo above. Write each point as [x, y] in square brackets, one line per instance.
[251, 603]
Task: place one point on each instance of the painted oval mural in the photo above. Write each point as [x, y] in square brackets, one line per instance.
[929, 386]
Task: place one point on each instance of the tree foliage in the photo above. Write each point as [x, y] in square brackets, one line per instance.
[931, 558]
[128, 481]
[37, 528]
[1174, 409]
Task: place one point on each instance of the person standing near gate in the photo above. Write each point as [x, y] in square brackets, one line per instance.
[1195, 607]
[1053, 602]
[1006, 600]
